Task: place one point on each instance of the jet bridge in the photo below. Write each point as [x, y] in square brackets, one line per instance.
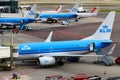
[4, 54]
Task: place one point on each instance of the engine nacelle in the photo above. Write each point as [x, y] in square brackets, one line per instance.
[46, 60]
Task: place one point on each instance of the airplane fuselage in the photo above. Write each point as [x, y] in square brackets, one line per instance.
[58, 16]
[50, 53]
[60, 47]
[82, 15]
[15, 21]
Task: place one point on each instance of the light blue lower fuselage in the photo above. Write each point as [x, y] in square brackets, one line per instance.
[42, 48]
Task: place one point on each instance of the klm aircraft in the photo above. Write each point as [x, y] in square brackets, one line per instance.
[50, 52]
[53, 17]
[12, 21]
[73, 14]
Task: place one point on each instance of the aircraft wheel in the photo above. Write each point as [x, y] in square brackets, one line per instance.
[55, 21]
[60, 63]
[76, 20]
[73, 59]
[117, 61]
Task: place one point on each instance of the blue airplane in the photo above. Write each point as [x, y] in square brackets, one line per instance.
[50, 52]
[73, 14]
[53, 17]
[16, 21]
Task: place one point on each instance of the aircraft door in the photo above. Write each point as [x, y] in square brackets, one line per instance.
[92, 46]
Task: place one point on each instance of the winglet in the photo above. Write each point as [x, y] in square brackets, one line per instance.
[112, 49]
[49, 37]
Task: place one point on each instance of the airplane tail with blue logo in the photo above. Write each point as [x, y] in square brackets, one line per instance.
[31, 13]
[105, 29]
[75, 8]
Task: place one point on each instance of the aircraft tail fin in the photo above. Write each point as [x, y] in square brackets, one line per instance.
[105, 29]
[58, 8]
[81, 9]
[95, 10]
[31, 13]
[75, 8]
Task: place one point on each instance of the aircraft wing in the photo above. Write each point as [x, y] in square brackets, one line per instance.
[79, 55]
[49, 37]
[70, 55]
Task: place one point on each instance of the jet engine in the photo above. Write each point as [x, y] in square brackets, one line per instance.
[50, 19]
[46, 60]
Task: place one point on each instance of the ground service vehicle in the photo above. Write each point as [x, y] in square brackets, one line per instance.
[117, 60]
[79, 77]
[85, 77]
[94, 78]
[64, 78]
[55, 77]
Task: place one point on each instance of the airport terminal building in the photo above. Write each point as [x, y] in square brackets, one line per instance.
[8, 6]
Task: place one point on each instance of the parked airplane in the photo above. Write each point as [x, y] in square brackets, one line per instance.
[50, 53]
[80, 9]
[57, 10]
[15, 21]
[55, 16]
[94, 12]
[66, 16]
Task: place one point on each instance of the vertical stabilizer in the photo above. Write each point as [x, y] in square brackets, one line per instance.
[75, 8]
[105, 29]
[58, 8]
[95, 10]
[81, 9]
[31, 13]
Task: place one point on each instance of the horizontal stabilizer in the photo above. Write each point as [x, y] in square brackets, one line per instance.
[107, 41]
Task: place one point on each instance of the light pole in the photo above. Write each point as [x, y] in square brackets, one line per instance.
[11, 6]
[2, 38]
[11, 50]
